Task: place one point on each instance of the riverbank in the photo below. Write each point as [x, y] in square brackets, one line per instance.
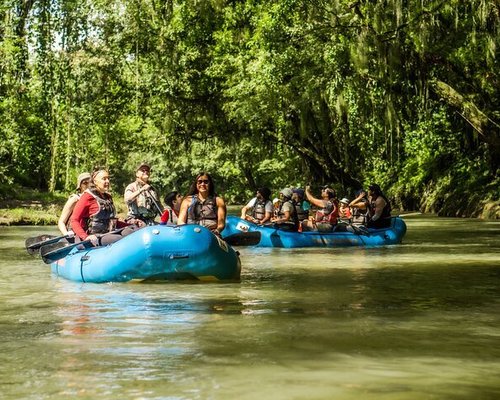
[21, 206]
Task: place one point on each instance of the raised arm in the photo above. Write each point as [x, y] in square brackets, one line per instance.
[183, 212]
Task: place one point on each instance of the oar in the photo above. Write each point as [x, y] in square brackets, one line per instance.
[243, 239]
[33, 244]
[154, 202]
[56, 251]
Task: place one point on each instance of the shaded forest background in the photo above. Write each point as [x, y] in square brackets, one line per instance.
[276, 93]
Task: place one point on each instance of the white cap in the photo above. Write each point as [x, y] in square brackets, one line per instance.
[276, 200]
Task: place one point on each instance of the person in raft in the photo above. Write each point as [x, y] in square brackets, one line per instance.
[202, 206]
[327, 213]
[141, 198]
[170, 214]
[259, 208]
[82, 183]
[380, 208]
[95, 215]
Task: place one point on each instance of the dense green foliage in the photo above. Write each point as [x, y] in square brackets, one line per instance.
[405, 93]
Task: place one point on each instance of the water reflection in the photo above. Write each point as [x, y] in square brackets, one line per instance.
[418, 320]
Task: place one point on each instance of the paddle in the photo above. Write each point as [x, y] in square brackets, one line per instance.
[154, 202]
[33, 244]
[243, 239]
[56, 251]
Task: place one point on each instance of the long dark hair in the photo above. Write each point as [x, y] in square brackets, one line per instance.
[211, 187]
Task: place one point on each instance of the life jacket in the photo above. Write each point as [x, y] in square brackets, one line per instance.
[329, 213]
[386, 212]
[345, 215]
[259, 209]
[301, 213]
[360, 216]
[142, 207]
[172, 216]
[100, 221]
[295, 218]
[203, 213]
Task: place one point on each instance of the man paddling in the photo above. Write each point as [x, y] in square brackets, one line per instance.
[140, 197]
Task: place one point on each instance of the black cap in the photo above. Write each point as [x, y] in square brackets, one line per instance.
[374, 187]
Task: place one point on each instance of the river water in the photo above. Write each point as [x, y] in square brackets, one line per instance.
[419, 320]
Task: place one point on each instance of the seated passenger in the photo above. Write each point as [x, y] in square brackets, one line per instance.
[170, 214]
[63, 224]
[301, 205]
[141, 198]
[344, 211]
[202, 206]
[327, 213]
[359, 209]
[95, 215]
[287, 215]
[260, 207]
[344, 220]
[380, 208]
[276, 207]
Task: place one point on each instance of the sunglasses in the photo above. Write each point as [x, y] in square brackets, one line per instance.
[200, 181]
[85, 182]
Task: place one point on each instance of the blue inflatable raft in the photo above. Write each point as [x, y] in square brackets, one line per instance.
[237, 228]
[187, 252]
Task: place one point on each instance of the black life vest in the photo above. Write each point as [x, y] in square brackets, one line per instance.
[301, 213]
[386, 212]
[203, 213]
[100, 221]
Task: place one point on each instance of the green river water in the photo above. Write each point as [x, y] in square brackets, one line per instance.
[419, 320]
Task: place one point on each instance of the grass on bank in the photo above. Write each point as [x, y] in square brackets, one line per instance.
[22, 206]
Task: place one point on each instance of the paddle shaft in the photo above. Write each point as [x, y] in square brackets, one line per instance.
[57, 254]
[153, 199]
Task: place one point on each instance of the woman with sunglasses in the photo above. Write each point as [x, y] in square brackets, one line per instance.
[202, 206]
[327, 213]
[82, 183]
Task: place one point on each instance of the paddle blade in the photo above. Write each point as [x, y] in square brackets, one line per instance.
[244, 239]
[56, 251]
[33, 244]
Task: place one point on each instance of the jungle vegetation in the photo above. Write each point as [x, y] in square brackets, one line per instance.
[404, 93]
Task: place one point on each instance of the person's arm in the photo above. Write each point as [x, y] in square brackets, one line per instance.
[80, 214]
[286, 216]
[313, 200]
[245, 209]
[358, 203]
[66, 214]
[183, 211]
[244, 212]
[266, 218]
[221, 214]
[130, 195]
[268, 208]
[379, 208]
